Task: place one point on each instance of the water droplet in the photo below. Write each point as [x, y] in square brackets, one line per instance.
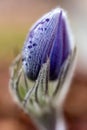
[42, 29]
[45, 28]
[29, 57]
[47, 20]
[29, 46]
[26, 64]
[34, 44]
[30, 41]
[23, 59]
[31, 51]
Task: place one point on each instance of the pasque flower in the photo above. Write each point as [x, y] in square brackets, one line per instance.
[49, 53]
[50, 37]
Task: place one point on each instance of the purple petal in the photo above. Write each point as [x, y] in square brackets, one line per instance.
[66, 41]
[56, 52]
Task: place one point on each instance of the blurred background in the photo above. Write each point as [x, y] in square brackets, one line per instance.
[16, 17]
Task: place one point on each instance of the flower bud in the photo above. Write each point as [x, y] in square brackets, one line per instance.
[49, 38]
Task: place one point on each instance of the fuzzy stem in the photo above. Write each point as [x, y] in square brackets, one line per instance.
[52, 120]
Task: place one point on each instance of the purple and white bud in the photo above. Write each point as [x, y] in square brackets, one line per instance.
[51, 38]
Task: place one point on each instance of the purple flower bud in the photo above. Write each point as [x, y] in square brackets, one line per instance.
[49, 37]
